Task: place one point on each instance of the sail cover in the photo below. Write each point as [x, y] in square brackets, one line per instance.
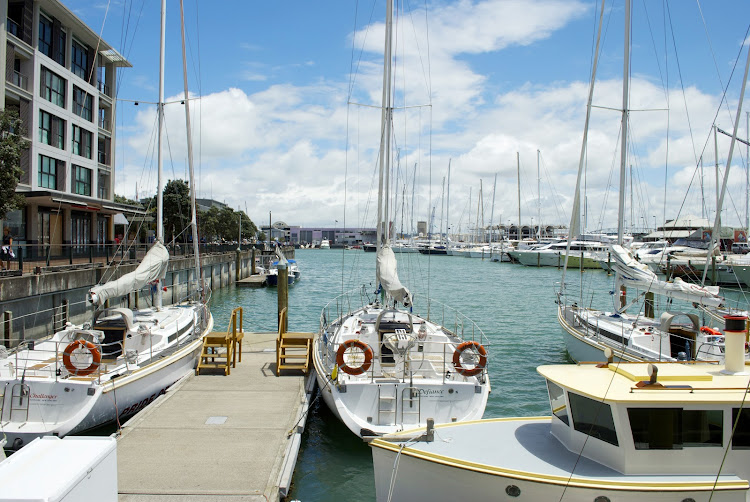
[387, 275]
[632, 273]
[153, 267]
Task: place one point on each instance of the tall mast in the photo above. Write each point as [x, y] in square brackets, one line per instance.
[193, 210]
[492, 212]
[539, 196]
[518, 173]
[385, 130]
[160, 111]
[448, 204]
[624, 126]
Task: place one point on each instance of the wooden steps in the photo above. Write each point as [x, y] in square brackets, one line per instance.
[293, 349]
[219, 351]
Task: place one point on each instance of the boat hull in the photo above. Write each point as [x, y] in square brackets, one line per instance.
[97, 403]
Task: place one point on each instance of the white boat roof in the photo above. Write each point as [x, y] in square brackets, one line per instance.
[524, 448]
[680, 382]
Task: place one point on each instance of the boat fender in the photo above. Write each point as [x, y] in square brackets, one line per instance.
[354, 370]
[96, 358]
[477, 369]
[711, 331]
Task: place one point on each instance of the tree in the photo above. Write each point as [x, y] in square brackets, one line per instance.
[12, 145]
[176, 204]
[121, 199]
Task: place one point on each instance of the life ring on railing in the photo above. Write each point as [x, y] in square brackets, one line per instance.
[96, 358]
[479, 366]
[354, 370]
[711, 331]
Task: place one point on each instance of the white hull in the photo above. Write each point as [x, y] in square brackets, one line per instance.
[399, 390]
[68, 404]
[469, 470]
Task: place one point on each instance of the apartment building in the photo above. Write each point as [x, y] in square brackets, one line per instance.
[61, 78]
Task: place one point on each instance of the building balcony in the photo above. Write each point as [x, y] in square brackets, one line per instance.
[19, 80]
[104, 124]
[13, 28]
[102, 158]
[104, 89]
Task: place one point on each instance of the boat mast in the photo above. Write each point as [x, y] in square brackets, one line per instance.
[518, 175]
[385, 130]
[539, 196]
[193, 209]
[448, 206]
[159, 300]
[492, 212]
[624, 126]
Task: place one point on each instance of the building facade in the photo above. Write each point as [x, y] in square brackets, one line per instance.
[61, 79]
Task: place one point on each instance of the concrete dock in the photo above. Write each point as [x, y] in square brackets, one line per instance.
[215, 437]
[253, 281]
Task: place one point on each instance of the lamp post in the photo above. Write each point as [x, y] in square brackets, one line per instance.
[335, 228]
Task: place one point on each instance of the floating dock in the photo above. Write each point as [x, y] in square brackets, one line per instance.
[254, 281]
[215, 437]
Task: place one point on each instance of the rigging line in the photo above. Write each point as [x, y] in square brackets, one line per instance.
[355, 71]
[98, 42]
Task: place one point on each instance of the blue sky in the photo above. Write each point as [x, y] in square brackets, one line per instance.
[274, 132]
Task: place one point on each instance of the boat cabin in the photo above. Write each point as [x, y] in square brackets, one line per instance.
[641, 418]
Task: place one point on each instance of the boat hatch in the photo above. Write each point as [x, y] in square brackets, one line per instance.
[638, 372]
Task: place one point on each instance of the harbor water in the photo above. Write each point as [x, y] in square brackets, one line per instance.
[513, 305]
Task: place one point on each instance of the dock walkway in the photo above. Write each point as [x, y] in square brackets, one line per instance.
[216, 437]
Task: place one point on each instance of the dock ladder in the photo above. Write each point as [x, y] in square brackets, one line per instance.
[220, 349]
[293, 350]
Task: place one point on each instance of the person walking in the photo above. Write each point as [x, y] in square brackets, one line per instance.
[7, 250]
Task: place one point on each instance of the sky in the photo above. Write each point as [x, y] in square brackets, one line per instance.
[285, 111]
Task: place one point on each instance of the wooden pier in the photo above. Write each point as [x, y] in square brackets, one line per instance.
[215, 437]
[254, 281]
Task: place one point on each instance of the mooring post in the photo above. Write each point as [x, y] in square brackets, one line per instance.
[282, 289]
[252, 263]
[7, 328]
[238, 264]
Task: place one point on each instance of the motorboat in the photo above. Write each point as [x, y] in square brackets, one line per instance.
[293, 274]
[616, 431]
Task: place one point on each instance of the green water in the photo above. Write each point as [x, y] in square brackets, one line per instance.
[513, 305]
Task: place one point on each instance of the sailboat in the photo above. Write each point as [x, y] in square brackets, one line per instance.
[106, 370]
[382, 367]
[617, 431]
[676, 335]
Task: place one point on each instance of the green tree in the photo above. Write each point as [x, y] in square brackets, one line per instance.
[176, 203]
[12, 145]
[121, 199]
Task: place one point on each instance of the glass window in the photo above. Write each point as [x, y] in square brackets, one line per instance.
[81, 182]
[557, 402]
[45, 127]
[79, 60]
[593, 418]
[47, 172]
[60, 49]
[82, 103]
[45, 36]
[82, 142]
[741, 439]
[52, 87]
[675, 428]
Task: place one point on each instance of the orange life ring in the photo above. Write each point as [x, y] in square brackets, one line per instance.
[354, 370]
[480, 365]
[96, 358]
[711, 331]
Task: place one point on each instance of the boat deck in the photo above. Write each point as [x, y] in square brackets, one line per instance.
[530, 452]
[216, 436]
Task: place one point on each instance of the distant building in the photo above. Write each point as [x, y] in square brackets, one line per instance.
[61, 79]
[206, 204]
[421, 228]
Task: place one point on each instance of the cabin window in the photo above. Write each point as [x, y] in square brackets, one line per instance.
[675, 428]
[741, 439]
[557, 402]
[593, 418]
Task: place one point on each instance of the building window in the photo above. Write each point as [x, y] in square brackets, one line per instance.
[80, 60]
[53, 87]
[593, 418]
[82, 103]
[82, 142]
[675, 428]
[102, 185]
[557, 402]
[47, 172]
[81, 182]
[60, 49]
[51, 130]
[45, 36]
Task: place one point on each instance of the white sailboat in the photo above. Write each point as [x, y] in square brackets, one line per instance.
[675, 336]
[382, 368]
[106, 370]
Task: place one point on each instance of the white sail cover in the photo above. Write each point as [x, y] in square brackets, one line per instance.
[153, 267]
[632, 273]
[387, 275]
